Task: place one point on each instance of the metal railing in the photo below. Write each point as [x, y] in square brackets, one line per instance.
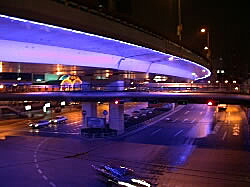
[241, 89]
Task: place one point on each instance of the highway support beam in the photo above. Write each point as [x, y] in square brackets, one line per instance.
[89, 109]
[116, 117]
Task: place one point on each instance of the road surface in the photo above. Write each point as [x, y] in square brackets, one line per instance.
[195, 147]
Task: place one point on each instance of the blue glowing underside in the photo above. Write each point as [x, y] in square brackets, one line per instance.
[28, 41]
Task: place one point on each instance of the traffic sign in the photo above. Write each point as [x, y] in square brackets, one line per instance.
[84, 112]
[105, 112]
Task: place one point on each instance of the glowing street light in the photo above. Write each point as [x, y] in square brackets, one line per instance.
[203, 30]
[226, 81]
[208, 82]
[217, 81]
[234, 82]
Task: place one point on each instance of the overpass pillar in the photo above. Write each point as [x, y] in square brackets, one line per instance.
[89, 109]
[116, 117]
[173, 106]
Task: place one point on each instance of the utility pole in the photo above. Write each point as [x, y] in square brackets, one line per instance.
[179, 26]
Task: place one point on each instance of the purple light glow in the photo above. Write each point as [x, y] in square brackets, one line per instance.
[46, 46]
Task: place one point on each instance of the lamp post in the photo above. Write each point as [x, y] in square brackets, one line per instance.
[203, 30]
[179, 26]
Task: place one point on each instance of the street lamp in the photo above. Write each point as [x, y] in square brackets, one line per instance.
[203, 30]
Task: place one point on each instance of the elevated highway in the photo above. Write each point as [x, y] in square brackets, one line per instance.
[198, 98]
[52, 33]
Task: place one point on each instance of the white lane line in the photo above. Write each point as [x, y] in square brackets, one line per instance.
[193, 120]
[191, 141]
[52, 184]
[39, 171]
[179, 132]
[186, 112]
[37, 166]
[224, 136]
[61, 133]
[35, 160]
[45, 178]
[155, 131]
[185, 120]
[216, 129]
[175, 120]
[192, 107]
[201, 113]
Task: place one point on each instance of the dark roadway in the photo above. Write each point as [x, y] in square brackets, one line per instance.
[183, 151]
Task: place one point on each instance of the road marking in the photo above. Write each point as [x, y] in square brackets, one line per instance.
[216, 129]
[224, 136]
[189, 141]
[152, 123]
[52, 184]
[37, 166]
[193, 120]
[186, 112]
[201, 113]
[39, 171]
[45, 178]
[185, 120]
[35, 160]
[67, 133]
[192, 107]
[175, 120]
[155, 131]
[179, 132]
[192, 141]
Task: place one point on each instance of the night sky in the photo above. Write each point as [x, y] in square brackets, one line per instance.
[228, 23]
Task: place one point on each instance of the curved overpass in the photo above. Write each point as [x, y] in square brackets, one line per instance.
[24, 40]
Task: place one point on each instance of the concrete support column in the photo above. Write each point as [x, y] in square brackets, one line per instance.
[173, 106]
[116, 117]
[91, 111]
